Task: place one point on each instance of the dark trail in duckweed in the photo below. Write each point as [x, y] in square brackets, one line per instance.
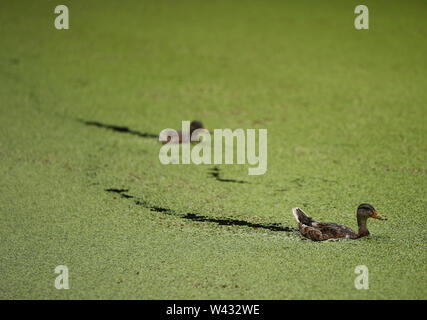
[120, 129]
[198, 217]
[215, 172]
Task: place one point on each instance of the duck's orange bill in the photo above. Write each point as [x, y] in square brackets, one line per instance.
[377, 216]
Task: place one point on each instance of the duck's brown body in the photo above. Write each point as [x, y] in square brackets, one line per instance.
[319, 231]
[324, 231]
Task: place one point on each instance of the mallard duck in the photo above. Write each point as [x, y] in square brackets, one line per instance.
[319, 231]
[194, 125]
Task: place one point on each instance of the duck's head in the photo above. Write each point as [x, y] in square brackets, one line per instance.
[194, 125]
[365, 211]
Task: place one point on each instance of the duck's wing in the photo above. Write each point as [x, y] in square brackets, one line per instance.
[320, 231]
[311, 232]
[332, 230]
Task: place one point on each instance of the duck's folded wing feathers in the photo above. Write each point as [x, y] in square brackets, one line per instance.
[334, 230]
[311, 232]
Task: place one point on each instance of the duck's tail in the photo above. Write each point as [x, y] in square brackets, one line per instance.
[301, 217]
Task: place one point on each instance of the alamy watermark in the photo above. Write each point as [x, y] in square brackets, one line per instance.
[362, 20]
[61, 281]
[362, 280]
[202, 152]
[61, 21]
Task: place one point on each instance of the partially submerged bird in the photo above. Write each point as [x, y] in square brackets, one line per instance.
[179, 137]
[319, 231]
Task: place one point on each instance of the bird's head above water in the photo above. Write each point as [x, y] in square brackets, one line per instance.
[194, 125]
[365, 211]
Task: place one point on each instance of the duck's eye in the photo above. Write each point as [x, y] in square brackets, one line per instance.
[368, 208]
